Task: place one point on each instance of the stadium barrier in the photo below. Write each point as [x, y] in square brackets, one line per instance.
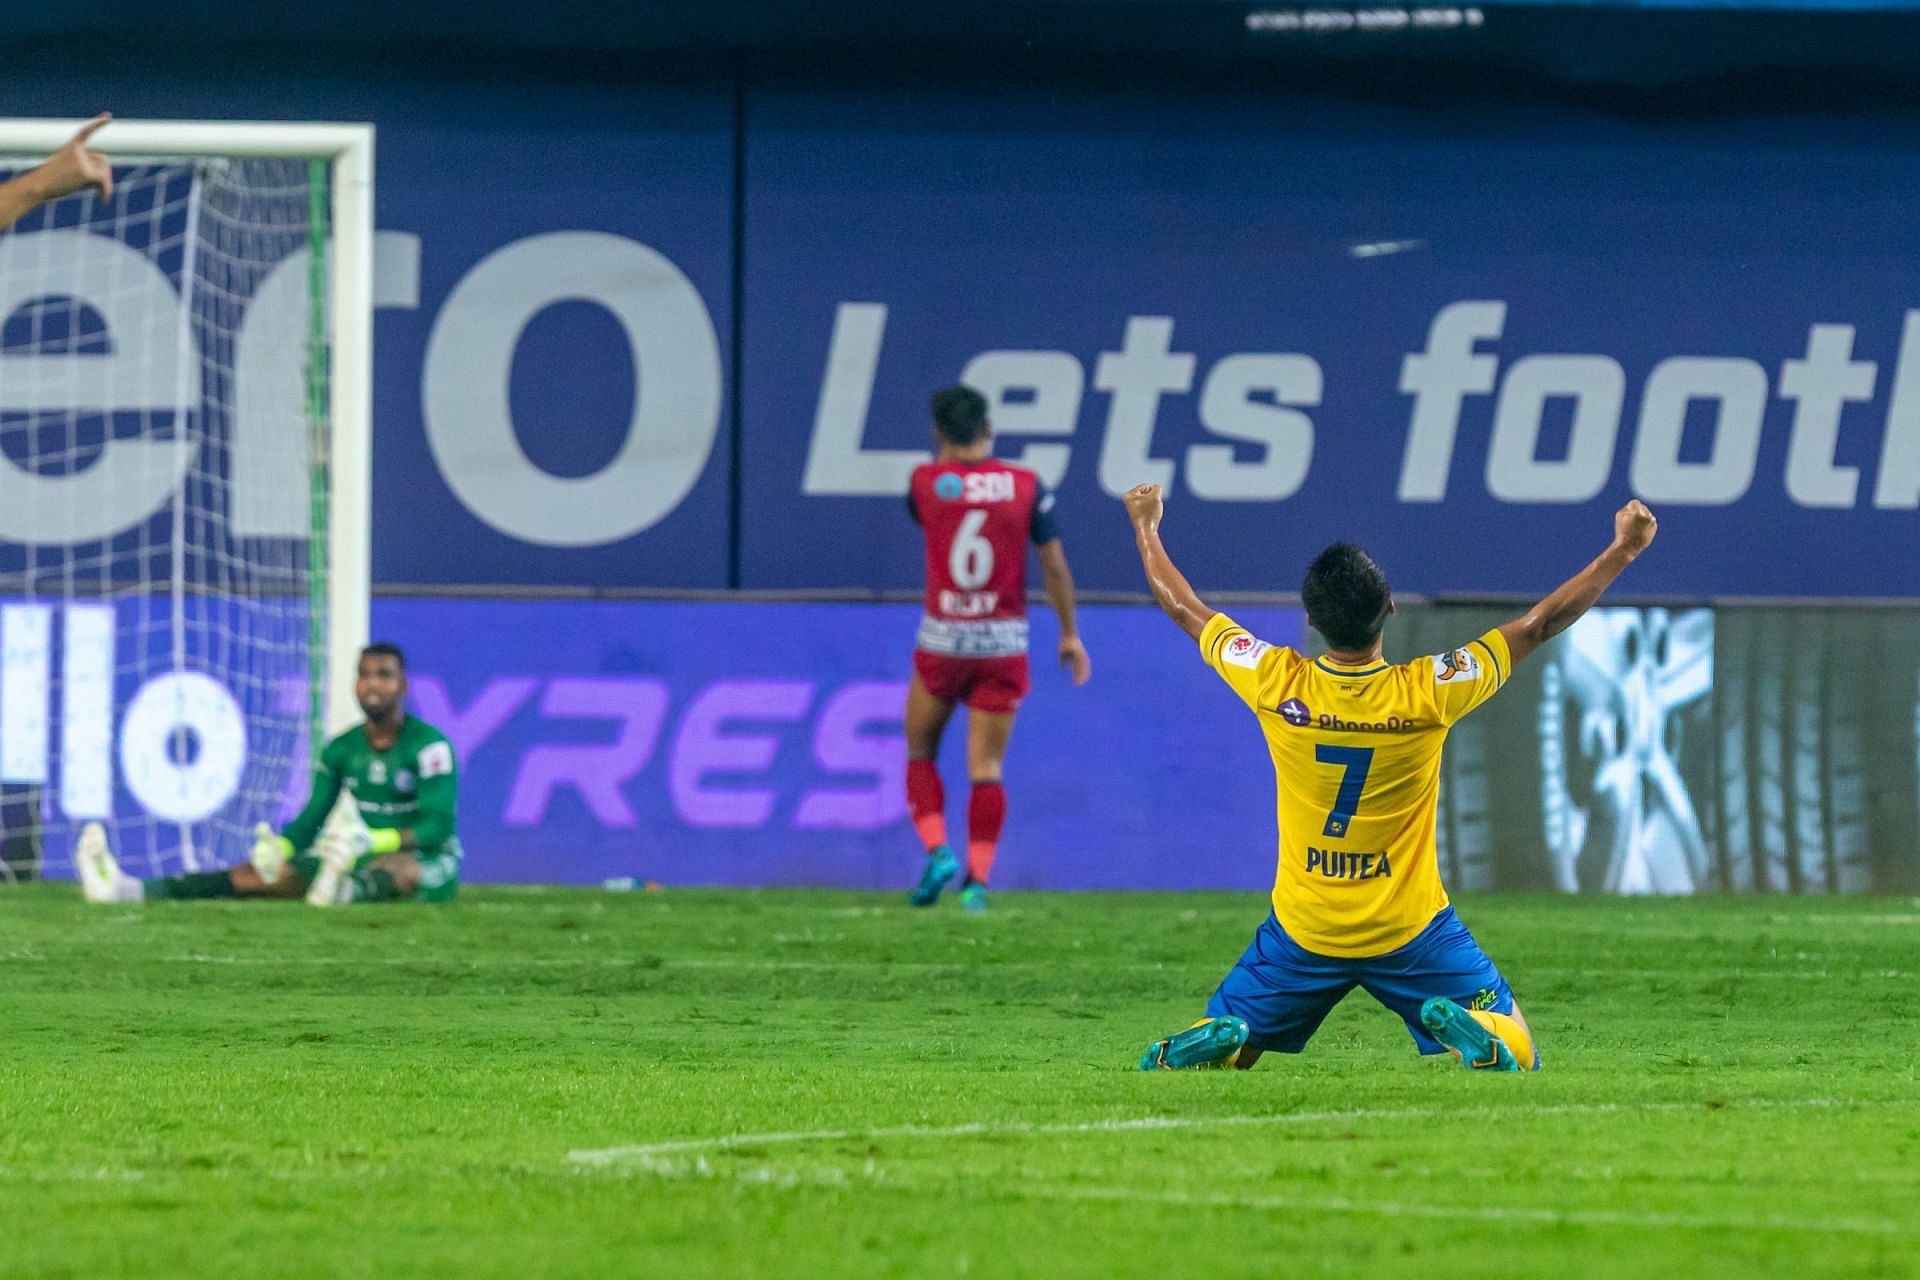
[1649, 751]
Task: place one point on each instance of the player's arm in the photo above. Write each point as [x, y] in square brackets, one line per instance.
[434, 799]
[305, 827]
[74, 167]
[435, 827]
[1058, 579]
[1171, 590]
[1633, 530]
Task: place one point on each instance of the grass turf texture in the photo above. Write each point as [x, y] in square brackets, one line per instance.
[823, 1084]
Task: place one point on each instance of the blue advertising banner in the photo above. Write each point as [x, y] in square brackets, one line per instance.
[761, 744]
[1462, 339]
[554, 285]
[1462, 350]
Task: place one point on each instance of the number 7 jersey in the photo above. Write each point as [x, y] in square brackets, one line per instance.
[978, 518]
[1356, 763]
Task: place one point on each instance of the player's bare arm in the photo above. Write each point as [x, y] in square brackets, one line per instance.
[74, 167]
[1171, 590]
[1059, 583]
[1633, 530]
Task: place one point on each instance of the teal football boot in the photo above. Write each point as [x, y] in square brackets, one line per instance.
[1454, 1027]
[973, 897]
[1209, 1044]
[941, 864]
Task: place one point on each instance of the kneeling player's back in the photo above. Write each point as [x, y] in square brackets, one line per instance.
[1356, 755]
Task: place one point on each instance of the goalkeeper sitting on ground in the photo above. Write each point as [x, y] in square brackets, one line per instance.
[392, 839]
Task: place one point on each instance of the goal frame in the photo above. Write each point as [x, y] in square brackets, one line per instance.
[348, 150]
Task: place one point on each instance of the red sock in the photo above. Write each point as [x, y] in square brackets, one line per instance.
[927, 802]
[985, 812]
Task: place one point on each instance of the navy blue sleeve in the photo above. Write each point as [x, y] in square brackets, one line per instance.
[1043, 528]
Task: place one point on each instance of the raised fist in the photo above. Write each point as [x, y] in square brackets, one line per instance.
[1634, 526]
[1143, 504]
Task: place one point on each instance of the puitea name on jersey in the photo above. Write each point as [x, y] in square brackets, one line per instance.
[1338, 864]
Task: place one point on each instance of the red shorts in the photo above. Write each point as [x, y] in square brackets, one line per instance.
[993, 685]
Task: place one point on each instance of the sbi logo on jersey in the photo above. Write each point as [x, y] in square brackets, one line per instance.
[948, 487]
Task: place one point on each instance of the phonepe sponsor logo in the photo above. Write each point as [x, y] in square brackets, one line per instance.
[1392, 724]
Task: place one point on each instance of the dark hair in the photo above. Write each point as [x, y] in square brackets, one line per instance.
[959, 414]
[384, 649]
[1346, 597]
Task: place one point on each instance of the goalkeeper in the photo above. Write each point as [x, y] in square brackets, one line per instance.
[391, 840]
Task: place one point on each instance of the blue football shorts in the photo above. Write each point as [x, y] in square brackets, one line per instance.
[1284, 991]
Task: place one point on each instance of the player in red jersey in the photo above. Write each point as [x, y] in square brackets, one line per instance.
[979, 514]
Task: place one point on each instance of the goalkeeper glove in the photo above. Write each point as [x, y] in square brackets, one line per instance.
[353, 834]
[270, 853]
[364, 840]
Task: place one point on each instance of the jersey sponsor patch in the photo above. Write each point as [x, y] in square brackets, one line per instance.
[436, 758]
[989, 486]
[1295, 713]
[1460, 664]
[948, 487]
[1244, 651]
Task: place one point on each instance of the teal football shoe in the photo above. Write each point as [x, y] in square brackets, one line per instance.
[973, 897]
[1454, 1027]
[1210, 1044]
[941, 864]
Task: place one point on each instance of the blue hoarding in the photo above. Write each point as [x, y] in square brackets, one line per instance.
[1463, 351]
[761, 744]
[1461, 338]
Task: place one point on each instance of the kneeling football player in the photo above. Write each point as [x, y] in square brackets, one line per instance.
[392, 840]
[1356, 742]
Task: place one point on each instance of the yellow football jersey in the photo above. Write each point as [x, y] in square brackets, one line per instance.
[1356, 765]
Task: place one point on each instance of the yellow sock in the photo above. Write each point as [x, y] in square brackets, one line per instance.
[1509, 1032]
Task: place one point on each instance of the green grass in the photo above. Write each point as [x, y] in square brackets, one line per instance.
[828, 1084]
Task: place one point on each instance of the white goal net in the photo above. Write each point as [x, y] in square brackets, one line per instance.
[169, 610]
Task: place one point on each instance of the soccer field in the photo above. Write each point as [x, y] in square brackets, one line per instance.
[692, 1084]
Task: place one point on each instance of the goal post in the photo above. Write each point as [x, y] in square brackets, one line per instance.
[229, 541]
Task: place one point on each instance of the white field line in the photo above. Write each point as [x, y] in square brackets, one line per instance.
[646, 1151]
[840, 966]
[649, 1161]
[1478, 1213]
[101, 1174]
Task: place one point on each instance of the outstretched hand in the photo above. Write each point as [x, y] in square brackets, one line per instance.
[1144, 505]
[76, 166]
[1634, 527]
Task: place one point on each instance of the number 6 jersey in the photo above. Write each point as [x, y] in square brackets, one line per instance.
[978, 518]
[1356, 764]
